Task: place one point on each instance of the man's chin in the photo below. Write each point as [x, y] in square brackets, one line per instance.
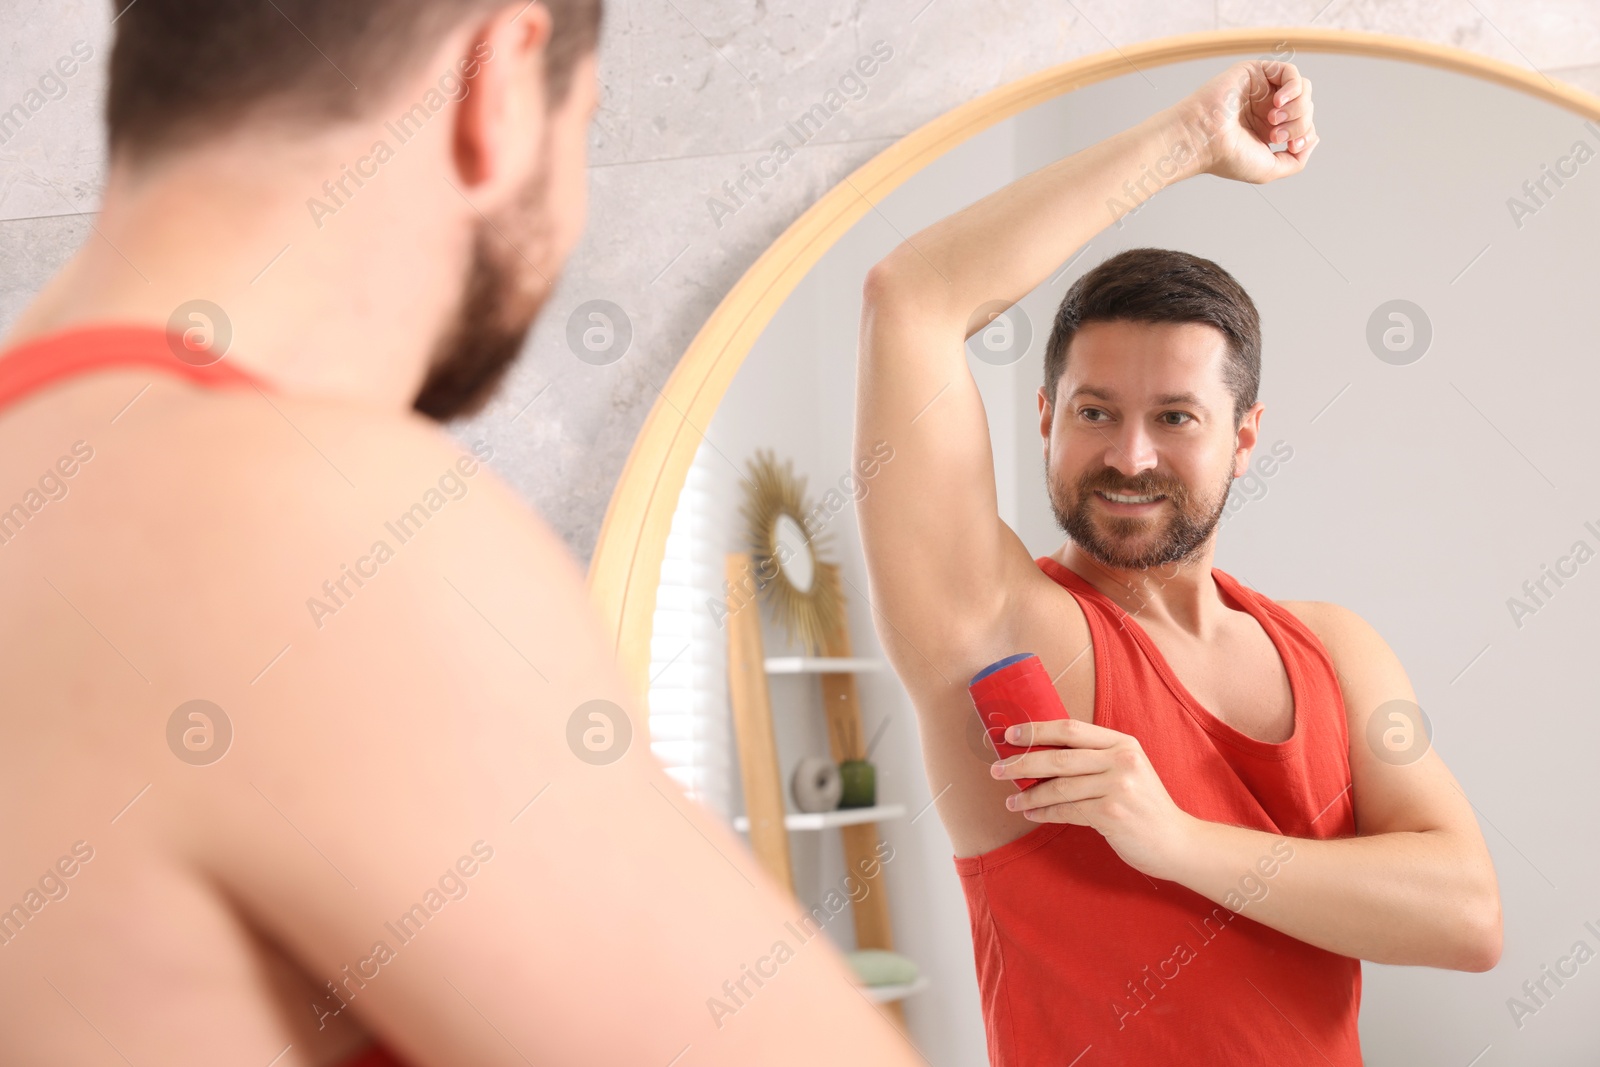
[1121, 561]
[1127, 551]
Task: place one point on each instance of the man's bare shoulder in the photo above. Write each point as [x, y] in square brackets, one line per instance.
[333, 452]
[289, 523]
[353, 501]
[1335, 625]
[295, 475]
[381, 610]
[1367, 667]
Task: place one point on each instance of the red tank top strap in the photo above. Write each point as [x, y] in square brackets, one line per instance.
[42, 361]
[374, 1055]
[1111, 641]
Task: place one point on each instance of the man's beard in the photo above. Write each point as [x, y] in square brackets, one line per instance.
[500, 299]
[1185, 527]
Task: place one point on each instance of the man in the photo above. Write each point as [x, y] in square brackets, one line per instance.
[311, 738]
[1214, 844]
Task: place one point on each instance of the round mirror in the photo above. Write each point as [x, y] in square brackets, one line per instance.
[1426, 294]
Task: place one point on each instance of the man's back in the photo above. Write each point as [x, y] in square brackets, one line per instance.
[403, 826]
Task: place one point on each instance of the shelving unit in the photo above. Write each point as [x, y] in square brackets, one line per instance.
[766, 820]
[824, 820]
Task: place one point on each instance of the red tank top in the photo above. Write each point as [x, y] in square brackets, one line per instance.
[46, 360]
[42, 361]
[1078, 954]
[373, 1056]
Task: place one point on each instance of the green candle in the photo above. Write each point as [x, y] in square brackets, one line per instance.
[860, 784]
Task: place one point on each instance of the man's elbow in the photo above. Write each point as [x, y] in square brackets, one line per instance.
[881, 281]
[1484, 937]
[904, 275]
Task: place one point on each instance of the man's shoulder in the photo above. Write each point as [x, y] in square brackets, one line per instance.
[307, 509]
[358, 448]
[292, 467]
[1316, 614]
[385, 561]
[1352, 643]
[1329, 621]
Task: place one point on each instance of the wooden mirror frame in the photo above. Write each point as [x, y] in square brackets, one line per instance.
[625, 569]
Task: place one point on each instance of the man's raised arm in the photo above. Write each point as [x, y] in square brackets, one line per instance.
[937, 552]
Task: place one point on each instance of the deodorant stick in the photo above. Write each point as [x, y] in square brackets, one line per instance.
[1011, 692]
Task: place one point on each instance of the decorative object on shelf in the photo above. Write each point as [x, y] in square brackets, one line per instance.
[785, 551]
[817, 784]
[860, 784]
[876, 966]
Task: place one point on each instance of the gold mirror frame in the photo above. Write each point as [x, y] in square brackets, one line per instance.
[626, 566]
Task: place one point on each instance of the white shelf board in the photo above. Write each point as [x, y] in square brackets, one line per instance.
[821, 820]
[883, 994]
[821, 664]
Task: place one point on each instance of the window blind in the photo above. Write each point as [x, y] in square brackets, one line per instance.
[690, 719]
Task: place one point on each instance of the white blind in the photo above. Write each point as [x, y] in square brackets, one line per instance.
[690, 719]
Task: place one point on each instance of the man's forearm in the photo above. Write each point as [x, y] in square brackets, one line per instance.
[1421, 899]
[1003, 246]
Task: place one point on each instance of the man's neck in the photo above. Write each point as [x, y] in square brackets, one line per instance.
[346, 312]
[1174, 597]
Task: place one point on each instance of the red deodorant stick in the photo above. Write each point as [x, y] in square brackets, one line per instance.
[1011, 692]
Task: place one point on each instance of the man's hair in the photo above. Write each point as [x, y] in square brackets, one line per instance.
[1160, 285]
[183, 70]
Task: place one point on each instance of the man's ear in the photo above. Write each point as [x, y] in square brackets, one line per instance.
[1246, 438]
[500, 121]
[1046, 414]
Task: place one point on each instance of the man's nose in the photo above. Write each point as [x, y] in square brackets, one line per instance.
[1130, 449]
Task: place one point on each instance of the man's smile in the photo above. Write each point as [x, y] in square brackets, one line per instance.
[1129, 503]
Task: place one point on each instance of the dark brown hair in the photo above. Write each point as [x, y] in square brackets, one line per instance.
[182, 70]
[1160, 285]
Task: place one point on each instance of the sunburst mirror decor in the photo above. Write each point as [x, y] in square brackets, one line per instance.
[784, 546]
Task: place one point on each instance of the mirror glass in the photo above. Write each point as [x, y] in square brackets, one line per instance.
[793, 551]
[1427, 293]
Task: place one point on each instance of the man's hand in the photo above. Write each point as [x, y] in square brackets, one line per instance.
[1100, 778]
[1252, 104]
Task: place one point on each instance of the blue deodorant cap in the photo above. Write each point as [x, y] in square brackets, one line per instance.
[998, 665]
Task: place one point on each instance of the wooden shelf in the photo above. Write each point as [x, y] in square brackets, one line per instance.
[822, 820]
[884, 994]
[821, 665]
[768, 825]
